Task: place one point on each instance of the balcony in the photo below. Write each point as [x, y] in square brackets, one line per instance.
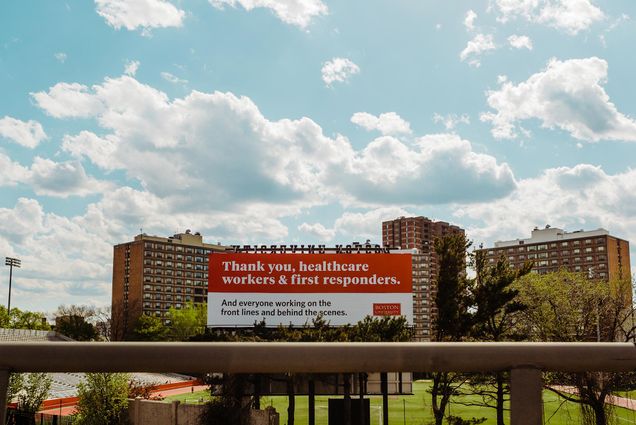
[526, 361]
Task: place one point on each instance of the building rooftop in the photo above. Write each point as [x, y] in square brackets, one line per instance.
[549, 234]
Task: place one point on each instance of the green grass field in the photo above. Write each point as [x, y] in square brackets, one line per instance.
[416, 409]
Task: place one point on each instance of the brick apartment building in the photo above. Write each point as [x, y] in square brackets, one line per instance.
[594, 252]
[152, 274]
[420, 233]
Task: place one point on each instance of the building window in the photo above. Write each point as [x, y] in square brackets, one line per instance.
[541, 247]
[532, 248]
[600, 248]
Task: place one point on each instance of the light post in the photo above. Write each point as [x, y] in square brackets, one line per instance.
[11, 262]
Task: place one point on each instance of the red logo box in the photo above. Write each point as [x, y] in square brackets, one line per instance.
[387, 309]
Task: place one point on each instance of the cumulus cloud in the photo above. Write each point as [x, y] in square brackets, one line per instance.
[65, 100]
[11, 173]
[570, 16]
[387, 123]
[294, 12]
[26, 133]
[366, 225]
[317, 230]
[388, 171]
[469, 20]
[520, 41]
[144, 14]
[338, 70]
[567, 95]
[451, 121]
[175, 148]
[62, 179]
[474, 48]
[47, 177]
[131, 68]
[583, 196]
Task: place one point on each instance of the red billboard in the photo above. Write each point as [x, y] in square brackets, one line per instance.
[295, 288]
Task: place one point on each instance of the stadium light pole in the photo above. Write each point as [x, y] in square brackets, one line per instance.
[11, 262]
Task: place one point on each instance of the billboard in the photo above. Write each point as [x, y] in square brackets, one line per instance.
[244, 288]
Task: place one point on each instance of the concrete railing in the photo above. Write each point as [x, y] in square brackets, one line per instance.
[526, 361]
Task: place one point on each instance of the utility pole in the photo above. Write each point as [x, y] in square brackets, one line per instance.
[11, 262]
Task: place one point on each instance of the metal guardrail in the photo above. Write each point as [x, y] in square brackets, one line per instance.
[526, 361]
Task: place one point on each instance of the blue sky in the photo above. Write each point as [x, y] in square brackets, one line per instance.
[307, 121]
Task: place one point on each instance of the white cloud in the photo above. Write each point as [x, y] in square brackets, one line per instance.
[175, 148]
[387, 123]
[439, 168]
[451, 121]
[338, 70]
[62, 179]
[570, 16]
[172, 78]
[474, 48]
[60, 57]
[100, 151]
[572, 198]
[294, 12]
[520, 41]
[131, 68]
[366, 225]
[469, 20]
[47, 177]
[26, 133]
[65, 100]
[24, 219]
[317, 230]
[11, 173]
[566, 95]
[144, 14]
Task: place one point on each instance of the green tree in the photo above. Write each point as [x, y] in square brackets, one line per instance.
[381, 329]
[73, 321]
[35, 389]
[16, 382]
[568, 307]
[103, 399]
[19, 319]
[187, 322]
[149, 328]
[497, 306]
[453, 301]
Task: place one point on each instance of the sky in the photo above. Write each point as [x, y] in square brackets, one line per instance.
[303, 121]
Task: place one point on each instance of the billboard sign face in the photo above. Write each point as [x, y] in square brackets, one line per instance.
[295, 288]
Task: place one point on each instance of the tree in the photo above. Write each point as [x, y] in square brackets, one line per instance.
[381, 329]
[565, 306]
[454, 321]
[35, 389]
[496, 308]
[149, 328]
[187, 322]
[102, 399]
[19, 319]
[73, 321]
